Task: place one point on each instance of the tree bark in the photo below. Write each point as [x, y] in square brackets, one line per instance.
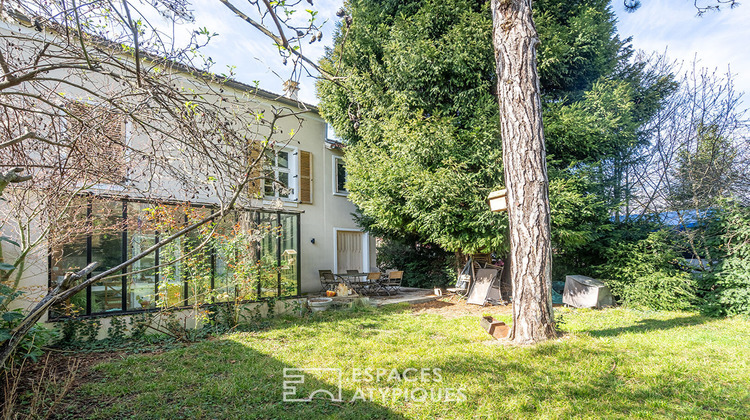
[524, 158]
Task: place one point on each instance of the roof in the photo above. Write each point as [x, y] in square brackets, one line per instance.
[689, 218]
[333, 144]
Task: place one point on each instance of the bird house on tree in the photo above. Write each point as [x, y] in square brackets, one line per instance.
[498, 200]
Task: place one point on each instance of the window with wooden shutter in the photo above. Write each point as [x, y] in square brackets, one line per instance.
[305, 177]
[256, 182]
[279, 172]
[98, 136]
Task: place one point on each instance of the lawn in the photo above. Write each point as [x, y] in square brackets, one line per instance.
[614, 363]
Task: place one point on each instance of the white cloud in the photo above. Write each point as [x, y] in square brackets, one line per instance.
[717, 39]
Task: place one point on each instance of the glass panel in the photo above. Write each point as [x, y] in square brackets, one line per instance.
[289, 254]
[268, 173]
[170, 276]
[284, 179]
[268, 264]
[225, 261]
[268, 184]
[197, 264]
[141, 293]
[246, 269]
[171, 289]
[71, 257]
[340, 176]
[270, 158]
[68, 249]
[282, 159]
[106, 248]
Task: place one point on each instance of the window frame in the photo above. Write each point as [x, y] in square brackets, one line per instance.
[336, 191]
[331, 133]
[292, 169]
[127, 142]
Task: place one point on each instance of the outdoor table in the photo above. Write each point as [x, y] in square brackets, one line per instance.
[355, 281]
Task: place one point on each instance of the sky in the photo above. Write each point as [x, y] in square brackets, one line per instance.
[719, 40]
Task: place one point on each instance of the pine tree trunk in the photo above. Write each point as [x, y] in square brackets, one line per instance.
[515, 39]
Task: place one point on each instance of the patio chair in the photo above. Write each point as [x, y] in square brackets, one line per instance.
[392, 283]
[328, 280]
[375, 275]
[374, 280]
[354, 279]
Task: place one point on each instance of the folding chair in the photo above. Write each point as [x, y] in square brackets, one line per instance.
[328, 280]
[392, 283]
[374, 280]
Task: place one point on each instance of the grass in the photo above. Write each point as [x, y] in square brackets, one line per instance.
[615, 363]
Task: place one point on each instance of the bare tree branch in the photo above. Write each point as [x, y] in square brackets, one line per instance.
[12, 176]
[279, 40]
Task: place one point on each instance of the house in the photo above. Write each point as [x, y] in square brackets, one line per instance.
[299, 210]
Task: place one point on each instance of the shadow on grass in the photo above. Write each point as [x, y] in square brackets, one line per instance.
[218, 379]
[562, 380]
[647, 325]
[225, 378]
[438, 304]
[368, 316]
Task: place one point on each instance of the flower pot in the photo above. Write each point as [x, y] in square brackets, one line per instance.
[319, 304]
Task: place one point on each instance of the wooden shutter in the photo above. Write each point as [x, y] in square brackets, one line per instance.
[305, 177]
[98, 137]
[256, 183]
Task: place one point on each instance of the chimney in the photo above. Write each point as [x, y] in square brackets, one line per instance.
[290, 89]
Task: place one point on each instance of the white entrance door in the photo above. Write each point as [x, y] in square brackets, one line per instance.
[348, 251]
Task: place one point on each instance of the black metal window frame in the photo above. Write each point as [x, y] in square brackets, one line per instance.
[157, 278]
[338, 186]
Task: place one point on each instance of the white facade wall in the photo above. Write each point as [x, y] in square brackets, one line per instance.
[320, 221]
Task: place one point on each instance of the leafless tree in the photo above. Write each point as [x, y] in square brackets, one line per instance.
[701, 6]
[699, 152]
[95, 100]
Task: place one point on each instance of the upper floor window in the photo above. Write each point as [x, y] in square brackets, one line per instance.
[98, 137]
[331, 134]
[339, 176]
[280, 174]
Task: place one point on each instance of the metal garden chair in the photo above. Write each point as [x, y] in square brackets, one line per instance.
[328, 280]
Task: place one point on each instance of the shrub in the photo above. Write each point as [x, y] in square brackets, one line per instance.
[727, 289]
[646, 273]
[424, 265]
[668, 290]
[31, 344]
[74, 331]
[732, 289]
[600, 253]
